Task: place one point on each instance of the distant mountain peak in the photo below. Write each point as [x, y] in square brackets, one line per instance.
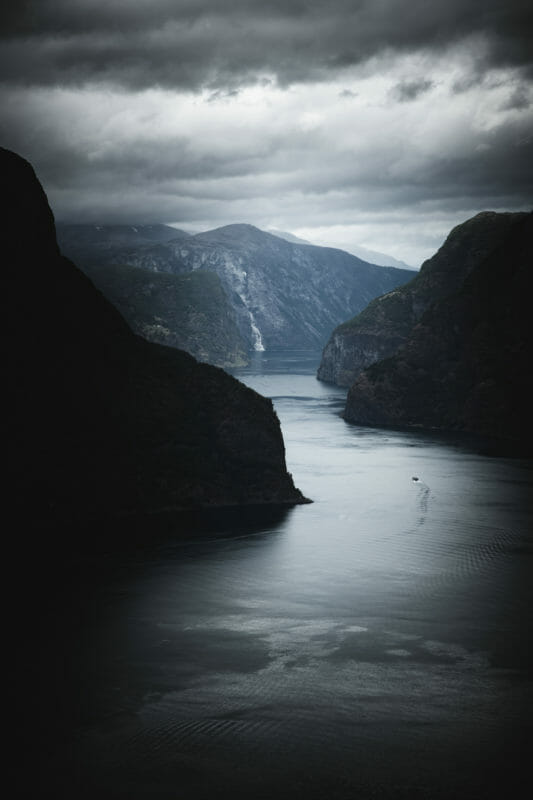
[234, 229]
[289, 237]
[238, 235]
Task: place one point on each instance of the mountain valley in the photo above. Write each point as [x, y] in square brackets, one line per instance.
[281, 294]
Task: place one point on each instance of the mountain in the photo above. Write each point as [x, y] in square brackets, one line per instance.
[466, 364]
[155, 291]
[387, 322]
[286, 295]
[189, 311]
[283, 295]
[101, 422]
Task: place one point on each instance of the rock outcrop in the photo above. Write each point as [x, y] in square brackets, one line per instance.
[385, 325]
[101, 422]
[466, 364]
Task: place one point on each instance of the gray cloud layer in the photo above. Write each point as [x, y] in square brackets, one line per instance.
[193, 43]
[382, 115]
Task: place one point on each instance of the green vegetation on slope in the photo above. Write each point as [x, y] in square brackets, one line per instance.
[189, 311]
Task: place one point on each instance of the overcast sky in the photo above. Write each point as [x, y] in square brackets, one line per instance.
[381, 123]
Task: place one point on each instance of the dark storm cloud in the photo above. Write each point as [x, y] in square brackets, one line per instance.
[193, 43]
[143, 174]
[521, 98]
[310, 114]
[406, 91]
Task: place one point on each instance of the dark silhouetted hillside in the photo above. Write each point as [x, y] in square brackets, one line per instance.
[98, 420]
[466, 363]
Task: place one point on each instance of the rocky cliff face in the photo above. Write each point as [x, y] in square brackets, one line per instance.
[189, 311]
[387, 322]
[283, 294]
[466, 364]
[376, 333]
[101, 422]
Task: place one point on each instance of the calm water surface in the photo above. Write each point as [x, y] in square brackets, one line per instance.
[373, 644]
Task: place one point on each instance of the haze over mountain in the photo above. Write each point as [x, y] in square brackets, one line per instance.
[374, 257]
[281, 294]
[371, 256]
[289, 237]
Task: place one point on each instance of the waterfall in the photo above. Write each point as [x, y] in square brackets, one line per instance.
[256, 334]
[257, 339]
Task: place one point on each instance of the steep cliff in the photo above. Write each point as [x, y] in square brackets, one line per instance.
[466, 365]
[101, 422]
[374, 334]
[189, 311]
[387, 322]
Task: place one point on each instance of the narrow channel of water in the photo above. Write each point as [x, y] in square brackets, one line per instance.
[374, 644]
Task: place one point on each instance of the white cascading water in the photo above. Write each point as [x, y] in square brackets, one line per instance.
[256, 334]
[239, 276]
